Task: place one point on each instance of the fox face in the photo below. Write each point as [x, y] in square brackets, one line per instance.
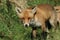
[26, 15]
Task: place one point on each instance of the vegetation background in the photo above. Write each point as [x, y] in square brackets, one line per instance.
[10, 25]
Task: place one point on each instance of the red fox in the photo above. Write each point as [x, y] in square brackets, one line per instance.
[37, 16]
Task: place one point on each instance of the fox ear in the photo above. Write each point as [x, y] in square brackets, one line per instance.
[18, 10]
[34, 10]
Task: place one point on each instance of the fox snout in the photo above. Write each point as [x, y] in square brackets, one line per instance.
[26, 25]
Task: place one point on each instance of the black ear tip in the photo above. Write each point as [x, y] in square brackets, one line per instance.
[33, 7]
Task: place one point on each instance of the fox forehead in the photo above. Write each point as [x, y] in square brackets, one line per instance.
[26, 13]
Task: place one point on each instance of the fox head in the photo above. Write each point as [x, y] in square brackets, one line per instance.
[25, 15]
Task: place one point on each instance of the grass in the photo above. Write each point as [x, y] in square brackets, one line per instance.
[18, 32]
[12, 29]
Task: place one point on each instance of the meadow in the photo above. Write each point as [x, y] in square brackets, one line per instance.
[11, 27]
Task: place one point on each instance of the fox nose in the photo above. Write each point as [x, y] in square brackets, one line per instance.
[26, 25]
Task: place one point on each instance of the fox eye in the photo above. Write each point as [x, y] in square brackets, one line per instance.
[29, 18]
[23, 18]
